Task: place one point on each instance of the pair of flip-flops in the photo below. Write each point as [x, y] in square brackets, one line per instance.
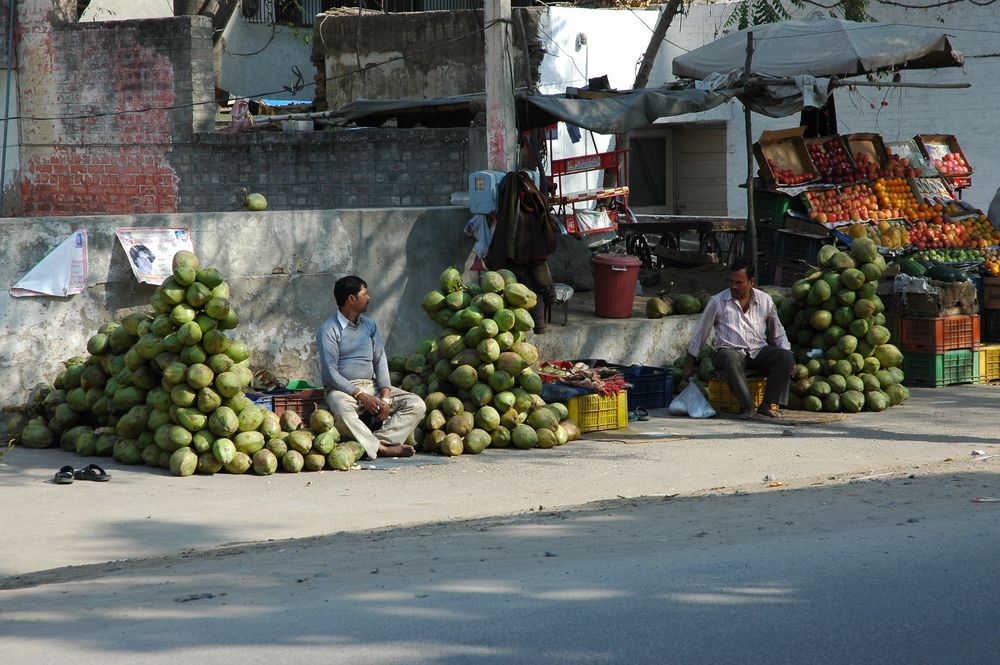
[68, 474]
[638, 414]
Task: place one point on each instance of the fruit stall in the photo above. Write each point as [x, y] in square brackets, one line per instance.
[938, 287]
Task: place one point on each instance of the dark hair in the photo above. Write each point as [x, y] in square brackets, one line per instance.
[135, 251]
[347, 287]
[739, 265]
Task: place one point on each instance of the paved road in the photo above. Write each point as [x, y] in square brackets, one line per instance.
[898, 569]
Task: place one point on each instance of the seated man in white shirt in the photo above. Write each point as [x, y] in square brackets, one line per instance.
[742, 318]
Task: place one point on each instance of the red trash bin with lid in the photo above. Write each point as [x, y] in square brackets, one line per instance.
[615, 279]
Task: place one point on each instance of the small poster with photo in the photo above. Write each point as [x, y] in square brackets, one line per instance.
[150, 251]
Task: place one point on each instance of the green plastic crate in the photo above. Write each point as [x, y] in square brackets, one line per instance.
[933, 370]
[770, 208]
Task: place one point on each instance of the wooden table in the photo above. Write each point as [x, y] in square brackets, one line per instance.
[669, 228]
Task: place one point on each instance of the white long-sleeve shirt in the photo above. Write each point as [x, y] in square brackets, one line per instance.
[736, 329]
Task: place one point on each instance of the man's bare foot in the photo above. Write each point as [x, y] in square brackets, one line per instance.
[402, 450]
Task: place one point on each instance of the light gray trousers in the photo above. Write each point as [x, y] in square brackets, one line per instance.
[405, 412]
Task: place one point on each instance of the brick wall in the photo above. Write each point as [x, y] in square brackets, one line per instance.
[364, 168]
[169, 160]
[99, 157]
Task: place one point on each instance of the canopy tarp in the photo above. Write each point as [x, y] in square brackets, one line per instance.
[606, 112]
[822, 46]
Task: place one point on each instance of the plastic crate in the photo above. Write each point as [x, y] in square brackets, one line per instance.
[766, 273]
[791, 245]
[770, 208]
[895, 326]
[722, 399]
[652, 387]
[990, 326]
[934, 370]
[977, 281]
[786, 274]
[940, 334]
[989, 363]
[302, 402]
[265, 400]
[767, 241]
[593, 413]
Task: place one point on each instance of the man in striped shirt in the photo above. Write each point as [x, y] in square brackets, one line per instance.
[748, 335]
[356, 377]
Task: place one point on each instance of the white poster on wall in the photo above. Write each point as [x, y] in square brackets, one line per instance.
[150, 251]
[62, 273]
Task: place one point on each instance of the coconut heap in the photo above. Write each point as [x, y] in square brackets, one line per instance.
[835, 322]
[477, 376]
[167, 387]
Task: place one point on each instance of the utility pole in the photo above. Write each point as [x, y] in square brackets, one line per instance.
[501, 119]
[659, 33]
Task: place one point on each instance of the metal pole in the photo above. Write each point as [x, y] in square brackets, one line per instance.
[501, 121]
[6, 107]
[751, 225]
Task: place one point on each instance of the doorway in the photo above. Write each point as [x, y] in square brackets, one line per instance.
[678, 170]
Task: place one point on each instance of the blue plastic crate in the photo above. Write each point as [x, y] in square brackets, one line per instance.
[651, 387]
[266, 400]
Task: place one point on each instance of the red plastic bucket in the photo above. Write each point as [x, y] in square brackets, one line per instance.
[615, 278]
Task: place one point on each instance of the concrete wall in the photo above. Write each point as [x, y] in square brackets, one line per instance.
[281, 267]
[417, 55]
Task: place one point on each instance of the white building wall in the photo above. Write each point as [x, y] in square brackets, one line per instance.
[123, 10]
[257, 60]
[614, 44]
[968, 114]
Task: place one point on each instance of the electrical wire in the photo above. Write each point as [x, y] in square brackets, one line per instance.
[632, 12]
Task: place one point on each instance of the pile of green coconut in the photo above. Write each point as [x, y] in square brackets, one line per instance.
[478, 375]
[167, 387]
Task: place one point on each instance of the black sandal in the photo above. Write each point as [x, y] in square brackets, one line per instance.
[64, 476]
[92, 472]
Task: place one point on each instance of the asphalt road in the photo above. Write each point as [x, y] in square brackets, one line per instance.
[897, 570]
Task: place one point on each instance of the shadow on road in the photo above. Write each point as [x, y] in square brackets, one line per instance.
[718, 578]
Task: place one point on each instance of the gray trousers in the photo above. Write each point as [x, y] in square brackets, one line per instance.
[776, 363]
[405, 413]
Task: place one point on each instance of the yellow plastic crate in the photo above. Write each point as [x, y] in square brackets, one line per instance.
[593, 413]
[989, 363]
[723, 400]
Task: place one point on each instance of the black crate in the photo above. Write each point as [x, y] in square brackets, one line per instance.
[652, 387]
[767, 242]
[990, 325]
[792, 246]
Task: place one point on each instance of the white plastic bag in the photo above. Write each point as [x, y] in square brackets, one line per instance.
[691, 402]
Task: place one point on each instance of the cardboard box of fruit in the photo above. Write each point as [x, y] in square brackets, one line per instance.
[783, 158]
[870, 145]
[943, 151]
